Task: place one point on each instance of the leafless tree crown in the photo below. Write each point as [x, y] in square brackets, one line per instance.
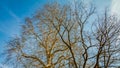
[66, 36]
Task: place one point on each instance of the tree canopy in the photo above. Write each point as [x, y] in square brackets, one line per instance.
[66, 36]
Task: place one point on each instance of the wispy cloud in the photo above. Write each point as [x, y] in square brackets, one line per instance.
[11, 13]
[14, 16]
[9, 26]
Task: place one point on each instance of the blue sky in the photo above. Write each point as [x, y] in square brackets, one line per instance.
[13, 12]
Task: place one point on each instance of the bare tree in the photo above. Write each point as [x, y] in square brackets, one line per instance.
[61, 36]
[107, 36]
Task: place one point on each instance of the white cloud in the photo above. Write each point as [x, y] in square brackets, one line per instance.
[115, 7]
